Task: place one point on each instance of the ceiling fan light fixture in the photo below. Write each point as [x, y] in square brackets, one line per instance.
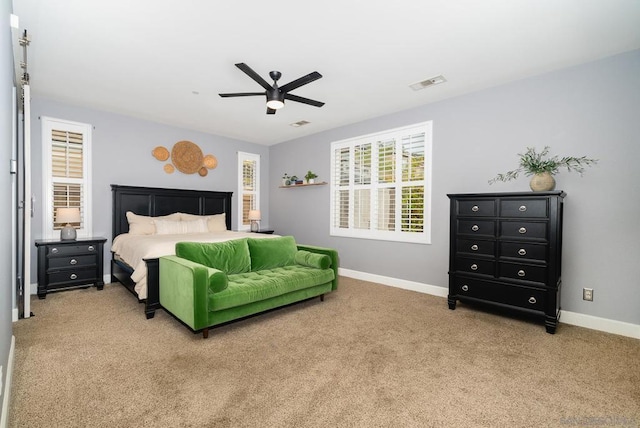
[275, 104]
[275, 99]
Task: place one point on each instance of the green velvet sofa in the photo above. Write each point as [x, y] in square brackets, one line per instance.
[206, 284]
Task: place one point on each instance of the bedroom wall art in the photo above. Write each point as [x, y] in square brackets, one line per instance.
[186, 157]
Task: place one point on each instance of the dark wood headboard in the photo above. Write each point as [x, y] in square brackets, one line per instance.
[151, 201]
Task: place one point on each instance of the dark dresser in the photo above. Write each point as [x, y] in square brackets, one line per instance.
[69, 264]
[505, 250]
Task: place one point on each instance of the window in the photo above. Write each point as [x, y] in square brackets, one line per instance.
[381, 185]
[248, 187]
[66, 149]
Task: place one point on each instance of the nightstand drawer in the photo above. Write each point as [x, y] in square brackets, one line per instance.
[70, 261]
[71, 276]
[63, 250]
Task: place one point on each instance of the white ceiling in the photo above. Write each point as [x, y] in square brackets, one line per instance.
[146, 58]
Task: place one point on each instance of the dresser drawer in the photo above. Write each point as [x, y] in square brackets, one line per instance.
[514, 295]
[522, 272]
[524, 208]
[71, 276]
[476, 246]
[523, 250]
[523, 230]
[62, 250]
[476, 208]
[77, 261]
[477, 227]
[476, 265]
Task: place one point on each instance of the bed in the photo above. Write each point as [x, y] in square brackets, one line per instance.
[154, 202]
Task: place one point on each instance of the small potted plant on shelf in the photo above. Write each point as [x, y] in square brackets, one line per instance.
[310, 177]
[286, 180]
[294, 179]
[543, 168]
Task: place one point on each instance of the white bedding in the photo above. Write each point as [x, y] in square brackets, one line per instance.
[133, 249]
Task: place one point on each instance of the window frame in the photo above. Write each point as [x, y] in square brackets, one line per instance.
[354, 228]
[242, 157]
[48, 125]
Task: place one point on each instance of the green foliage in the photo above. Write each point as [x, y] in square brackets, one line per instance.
[532, 162]
[309, 175]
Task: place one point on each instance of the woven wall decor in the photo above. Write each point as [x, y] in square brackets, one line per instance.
[186, 157]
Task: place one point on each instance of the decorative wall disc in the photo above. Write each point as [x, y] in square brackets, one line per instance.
[210, 161]
[160, 153]
[203, 172]
[168, 168]
[186, 157]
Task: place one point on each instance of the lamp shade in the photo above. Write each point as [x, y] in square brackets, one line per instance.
[254, 215]
[68, 215]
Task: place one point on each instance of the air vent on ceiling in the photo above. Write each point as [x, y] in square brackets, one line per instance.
[429, 82]
[299, 123]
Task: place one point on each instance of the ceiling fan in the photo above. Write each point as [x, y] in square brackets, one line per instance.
[276, 95]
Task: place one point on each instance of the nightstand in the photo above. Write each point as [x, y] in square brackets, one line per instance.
[69, 264]
[266, 231]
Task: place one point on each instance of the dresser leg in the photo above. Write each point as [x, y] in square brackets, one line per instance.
[452, 302]
[100, 285]
[550, 324]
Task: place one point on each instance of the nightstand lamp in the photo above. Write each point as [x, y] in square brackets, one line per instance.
[68, 216]
[254, 217]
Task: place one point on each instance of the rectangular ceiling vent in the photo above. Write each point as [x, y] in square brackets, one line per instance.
[427, 83]
[299, 123]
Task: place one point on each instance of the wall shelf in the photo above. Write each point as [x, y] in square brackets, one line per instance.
[303, 185]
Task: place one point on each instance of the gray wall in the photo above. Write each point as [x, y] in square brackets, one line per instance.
[121, 154]
[6, 138]
[591, 110]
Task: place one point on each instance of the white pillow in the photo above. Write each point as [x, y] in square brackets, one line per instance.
[169, 227]
[143, 225]
[215, 223]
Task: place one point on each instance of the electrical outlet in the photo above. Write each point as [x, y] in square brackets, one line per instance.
[587, 294]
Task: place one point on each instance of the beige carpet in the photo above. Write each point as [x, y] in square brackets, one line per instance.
[368, 356]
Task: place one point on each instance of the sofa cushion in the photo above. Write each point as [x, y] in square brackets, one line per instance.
[229, 256]
[272, 253]
[249, 287]
[314, 260]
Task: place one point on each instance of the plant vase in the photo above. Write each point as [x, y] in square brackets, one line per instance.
[311, 181]
[542, 182]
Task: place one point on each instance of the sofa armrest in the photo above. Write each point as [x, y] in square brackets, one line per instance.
[333, 254]
[185, 287]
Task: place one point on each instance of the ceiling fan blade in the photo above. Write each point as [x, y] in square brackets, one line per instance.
[242, 94]
[301, 81]
[303, 100]
[255, 76]
[271, 111]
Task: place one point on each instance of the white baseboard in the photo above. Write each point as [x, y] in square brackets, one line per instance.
[14, 315]
[4, 419]
[573, 318]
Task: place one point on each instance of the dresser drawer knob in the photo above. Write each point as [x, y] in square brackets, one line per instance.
[73, 262]
[91, 248]
[522, 208]
[522, 230]
[474, 247]
[521, 273]
[532, 300]
[73, 276]
[475, 228]
[522, 252]
[474, 267]
[475, 208]
[54, 250]
[465, 287]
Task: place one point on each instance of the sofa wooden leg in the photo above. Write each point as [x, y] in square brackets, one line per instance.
[322, 297]
[205, 333]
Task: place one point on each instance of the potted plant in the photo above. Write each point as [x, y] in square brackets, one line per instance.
[542, 168]
[310, 177]
[294, 179]
[286, 180]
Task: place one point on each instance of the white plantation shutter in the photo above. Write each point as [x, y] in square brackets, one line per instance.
[249, 187]
[381, 185]
[66, 152]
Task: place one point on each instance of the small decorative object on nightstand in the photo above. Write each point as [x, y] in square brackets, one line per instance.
[254, 217]
[64, 264]
[68, 215]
